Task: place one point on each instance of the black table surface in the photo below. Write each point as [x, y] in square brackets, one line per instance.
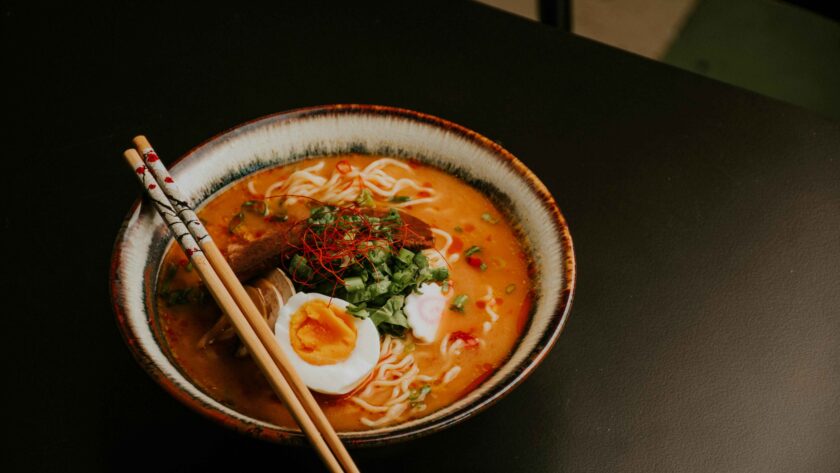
[705, 333]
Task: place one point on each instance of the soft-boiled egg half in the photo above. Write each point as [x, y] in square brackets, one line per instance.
[331, 350]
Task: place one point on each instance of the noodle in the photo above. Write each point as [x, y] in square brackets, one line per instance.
[447, 238]
[251, 188]
[347, 183]
[394, 412]
[451, 374]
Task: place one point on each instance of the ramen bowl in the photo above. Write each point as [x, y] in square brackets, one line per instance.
[293, 136]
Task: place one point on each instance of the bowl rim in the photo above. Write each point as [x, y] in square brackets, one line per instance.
[507, 384]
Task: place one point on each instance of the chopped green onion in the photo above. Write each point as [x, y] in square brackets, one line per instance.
[510, 288]
[365, 198]
[472, 250]
[489, 218]
[393, 216]
[404, 278]
[399, 199]
[440, 274]
[189, 295]
[390, 313]
[416, 396]
[459, 229]
[459, 302]
[359, 311]
[379, 288]
[255, 206]
[353, 284]
[421, 261]
[377, 256]
[299, 268]
[405, 256]
[445, 286]
[483, 266]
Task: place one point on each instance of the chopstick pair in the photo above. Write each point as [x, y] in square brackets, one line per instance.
[229, 293]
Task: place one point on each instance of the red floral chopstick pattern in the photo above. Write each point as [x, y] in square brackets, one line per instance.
[169, 214]
[173, 194]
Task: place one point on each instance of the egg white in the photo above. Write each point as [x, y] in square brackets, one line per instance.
[338, 378]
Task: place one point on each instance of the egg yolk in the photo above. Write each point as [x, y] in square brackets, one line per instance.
[322, 334]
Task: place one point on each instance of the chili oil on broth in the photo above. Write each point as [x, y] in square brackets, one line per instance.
[467, 215]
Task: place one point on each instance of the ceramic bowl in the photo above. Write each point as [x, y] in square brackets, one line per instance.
[329, 130]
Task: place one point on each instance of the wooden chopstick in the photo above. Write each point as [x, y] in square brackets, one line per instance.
[231, 282]
[190, 234]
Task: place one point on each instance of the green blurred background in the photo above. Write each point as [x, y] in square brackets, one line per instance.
[788, 50]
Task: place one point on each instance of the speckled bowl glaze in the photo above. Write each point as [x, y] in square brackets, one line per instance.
[329, 130]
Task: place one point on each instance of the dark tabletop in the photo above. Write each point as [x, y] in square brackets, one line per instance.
[705, 332]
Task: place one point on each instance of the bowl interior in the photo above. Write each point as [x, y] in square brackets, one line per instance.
[324, 131]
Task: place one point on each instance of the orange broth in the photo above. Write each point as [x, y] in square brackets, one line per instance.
[458, 209]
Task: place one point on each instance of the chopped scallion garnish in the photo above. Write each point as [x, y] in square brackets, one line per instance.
[406, 256]
[255, 206]
[365, 198]
[421, 261]
[489, 218]
[399, 199]
[510, 288]
[459, 302]
[440, 274]
[359, 311]
[416, 396]
[353, 284]
[472, 250]
[299, 268]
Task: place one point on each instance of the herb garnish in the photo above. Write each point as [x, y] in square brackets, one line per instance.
[365, 199]
[459, 302]
[417, 396]
[179, 296]
[255, 206]
[351, 255]
[472, 250]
